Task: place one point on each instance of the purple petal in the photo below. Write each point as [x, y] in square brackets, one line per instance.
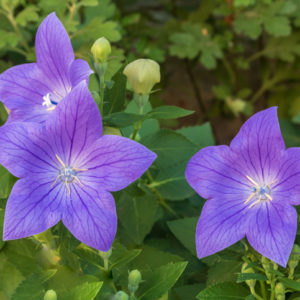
[75, 124]
[23, 85]
[221, 224]
[32, 207]
[287, 185]
[113, 162]
[259, 145]
[215, 172]
[54, 52]
[24, 150]
[272, 230]
[91, 217]
[79, 71]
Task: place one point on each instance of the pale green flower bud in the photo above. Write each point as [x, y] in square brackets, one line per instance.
[142, 75]
[280, 291]
[251, 282]
[134, 280]
[50, 295]
[121, 296]
[101, 49]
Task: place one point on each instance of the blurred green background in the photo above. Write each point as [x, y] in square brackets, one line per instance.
[224, 59]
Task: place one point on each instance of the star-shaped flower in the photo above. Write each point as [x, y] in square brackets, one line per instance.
[32, 91]
[67, 172]
[251, 187]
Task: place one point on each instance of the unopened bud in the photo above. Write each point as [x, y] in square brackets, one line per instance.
[245, 270]
[134, 280]
[120, 296]
[50, 295]
[280, 291]
[142, 75]
[101, 49]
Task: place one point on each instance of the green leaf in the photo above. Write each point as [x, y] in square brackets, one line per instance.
[184, 230]
[137, 213]
[122, 119]
[97, 27]
[168, 112]
[85, 291]
[159, 281]
[10, 278]
[115, 96]
[242, 277]
[88, 254]
[251, 27]
[289, 283]
[29, 14]
[33, 286]
[8, 39]
[1, 227]
[88, 3]
[121, 256]
[196, 40]
[278, 26]
[6, 182]
[223, 271]
[173, 150]
[23, 254]
[201, 135]
[224, 291]
[189, 291]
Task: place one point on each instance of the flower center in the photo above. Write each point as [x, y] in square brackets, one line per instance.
[259, 192]
[49, 101]
[68, 174]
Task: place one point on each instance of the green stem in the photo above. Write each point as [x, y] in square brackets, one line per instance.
[160, 198]
[263, 290]
[229, 70]
[102, 88]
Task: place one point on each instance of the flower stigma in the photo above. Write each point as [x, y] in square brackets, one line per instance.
[49, 102]
[260, 192]
[68, 174]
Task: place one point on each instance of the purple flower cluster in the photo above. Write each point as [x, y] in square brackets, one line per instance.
[53, 143]
[251, 187]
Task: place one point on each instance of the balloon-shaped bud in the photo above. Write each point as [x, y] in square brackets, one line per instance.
[120, 296]
[134, 280]
[50, 295]
[142, 75]
[101, 49]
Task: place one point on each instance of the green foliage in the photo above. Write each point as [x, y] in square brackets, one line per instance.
[160, 280]
[224, 291]
[194, 41]
[33, 286]
[137, 213]
[174, 151]
[220, 61]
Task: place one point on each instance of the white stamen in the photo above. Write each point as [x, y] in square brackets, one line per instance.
[47, 101]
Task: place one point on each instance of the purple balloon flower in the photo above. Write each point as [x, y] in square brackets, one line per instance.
[67, 172]
[32, 91]
[251, 186]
